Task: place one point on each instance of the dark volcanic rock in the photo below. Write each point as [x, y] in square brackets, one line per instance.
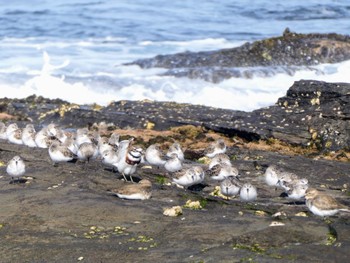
[281, 54]
[313, 113]
[68, 214]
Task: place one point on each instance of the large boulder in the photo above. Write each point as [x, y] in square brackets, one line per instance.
[264, 58]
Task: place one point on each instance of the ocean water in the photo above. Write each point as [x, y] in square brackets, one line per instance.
[75, 49]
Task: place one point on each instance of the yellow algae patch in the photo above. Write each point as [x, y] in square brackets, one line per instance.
[149, 125]
[193, 205]
[173, 211]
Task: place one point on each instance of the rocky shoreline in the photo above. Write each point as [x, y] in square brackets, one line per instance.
[267, 57]
[68, 214]
[312, 114]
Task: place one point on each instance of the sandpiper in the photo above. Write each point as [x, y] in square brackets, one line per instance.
[248, 192]
[15, 168]
[176, 148]
[173, 164]
[154, 155]
[230, 186]
[219, 146]
[221, 171]
[322, 204]
[140, 191]
[190, 176]
[28, 136]
[59, 153]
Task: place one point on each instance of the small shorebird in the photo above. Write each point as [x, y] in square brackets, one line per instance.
[214, 148]
[60, 135]
[103, 145]
[173, 164]
[11, 128]
[322, 204]
[140, 191]
[3, 127]
[221, 171]
[15, 168]
[87, 151]
[297, 192]
[82, 135]
[28, 136]
[114, 140]
[272, 174]
[220, 158]
[176, 148]
[52, 129]
[15, 137]
[109, 158]
[190, 176]
[287, 178]
[230, 186]
[42, 138]
[291, 183]
[248, 192]
[59, 153]
[154, 155]
[71, 145]
[129, 157]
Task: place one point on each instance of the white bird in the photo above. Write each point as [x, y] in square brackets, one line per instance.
[176, 148]
[87, 151]
[82, 135]
[42, 139]
[154, 155]
[103, 145]
[248, 192]
[297, 192]
[219, 146]
[59, 153]
[28, 136]
[190, 176]
[220, 158]
[221, 171]
[11, 128]
[15, 167]
[3, 127]
[272, 175]
[173, 164]
[128, 159]
[114, 140]
[109, 158]
[15, 137]
[230, 186]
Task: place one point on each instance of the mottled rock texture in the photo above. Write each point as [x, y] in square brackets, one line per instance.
[312, 114]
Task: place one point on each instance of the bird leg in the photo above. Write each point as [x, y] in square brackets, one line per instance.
[124, 177]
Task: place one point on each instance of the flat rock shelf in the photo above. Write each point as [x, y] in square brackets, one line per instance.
[67, 213]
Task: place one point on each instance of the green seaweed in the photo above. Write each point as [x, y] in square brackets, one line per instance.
[160, 179]
[256, 248]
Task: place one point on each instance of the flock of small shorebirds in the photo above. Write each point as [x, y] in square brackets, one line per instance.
[124, 157]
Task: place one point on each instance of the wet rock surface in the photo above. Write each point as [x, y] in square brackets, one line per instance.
[284, 54]
[312, 114]
[68, 214]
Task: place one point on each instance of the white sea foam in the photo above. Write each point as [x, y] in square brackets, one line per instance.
[86, 79]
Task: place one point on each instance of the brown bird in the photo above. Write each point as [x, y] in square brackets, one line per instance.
[139, 191]
[322, 204]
